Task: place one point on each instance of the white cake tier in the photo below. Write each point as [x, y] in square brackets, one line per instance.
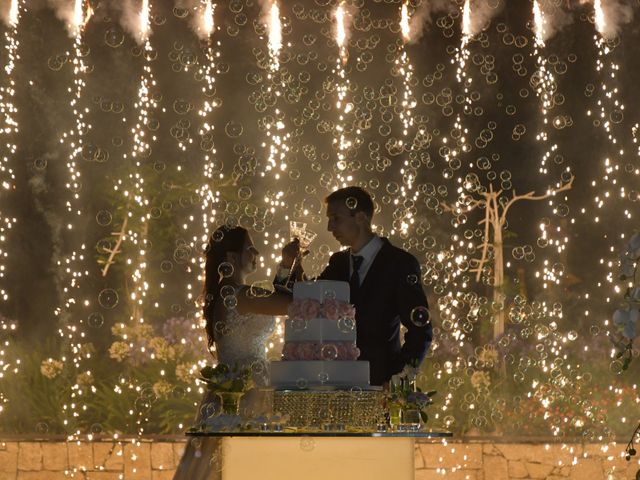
[319, 330]
[310, 374]
[321, 289]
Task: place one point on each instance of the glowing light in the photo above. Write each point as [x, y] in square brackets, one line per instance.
[404, 22]
[600, 19]
[207, 16]
[145, 23]
[14, 13]
[275, 31]
[539, 22]
[403, 215]
[341, 31]
[466, 19]
[9, 129]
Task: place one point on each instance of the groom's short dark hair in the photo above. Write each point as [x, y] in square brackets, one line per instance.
[357, 199]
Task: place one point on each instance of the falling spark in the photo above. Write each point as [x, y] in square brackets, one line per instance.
[342, 142]
[275, 33]
[466, 19]
[403, 213]
[341, 32]
[9, 128]
[145, 25]
[600, 19]
[14, 13]
[539, 22]
[545, 82]
[208, 22]
[404, 23]
[208, 192]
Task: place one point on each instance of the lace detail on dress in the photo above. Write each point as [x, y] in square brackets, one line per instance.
[242, 341]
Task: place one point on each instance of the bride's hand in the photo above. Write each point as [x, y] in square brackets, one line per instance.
[290, 252]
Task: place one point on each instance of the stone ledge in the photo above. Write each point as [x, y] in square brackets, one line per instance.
[469, 459]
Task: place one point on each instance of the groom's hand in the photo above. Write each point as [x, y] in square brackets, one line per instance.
[290, 252]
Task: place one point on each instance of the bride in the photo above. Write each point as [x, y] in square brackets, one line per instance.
[239, 320]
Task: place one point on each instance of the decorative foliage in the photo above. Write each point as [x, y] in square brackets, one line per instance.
[404, 394]
[222, 378]
[626, 318]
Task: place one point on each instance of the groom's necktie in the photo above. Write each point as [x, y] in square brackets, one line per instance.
[354, 281]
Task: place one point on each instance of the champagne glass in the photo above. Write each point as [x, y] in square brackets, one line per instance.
[305, 237]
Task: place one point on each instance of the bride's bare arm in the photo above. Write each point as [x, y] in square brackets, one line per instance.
[260, 301]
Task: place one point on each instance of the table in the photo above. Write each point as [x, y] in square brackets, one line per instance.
[317, 455]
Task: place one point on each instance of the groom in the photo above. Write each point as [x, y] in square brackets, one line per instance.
[385, 285]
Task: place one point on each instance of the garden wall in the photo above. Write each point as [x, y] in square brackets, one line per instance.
[155, 458]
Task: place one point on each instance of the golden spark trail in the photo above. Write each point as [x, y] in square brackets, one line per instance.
[408, 196]
[611, 109]
[341, 140]
[277, 133]
[276, 128]
[9, 130]
[207, 192]
[73, 313]
[545, 87]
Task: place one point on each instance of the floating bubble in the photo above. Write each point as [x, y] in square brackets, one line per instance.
[40, 163]
[302, 383]
[420, 316]
[225, 269]
[307, 444]
[108, 298]
[104, 218]
[42, 427]
[346, 325]
[233, 129]
[227, 290]
[329, 352]
[412, 279]
[114, 37]
[95, 320]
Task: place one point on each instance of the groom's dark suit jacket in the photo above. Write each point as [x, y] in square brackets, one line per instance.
[391, 289]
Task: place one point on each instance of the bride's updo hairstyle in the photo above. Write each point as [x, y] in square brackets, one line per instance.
[217, 269]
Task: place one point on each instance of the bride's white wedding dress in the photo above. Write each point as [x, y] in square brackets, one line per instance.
[241, 341]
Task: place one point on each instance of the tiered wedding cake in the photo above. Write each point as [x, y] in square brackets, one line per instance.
[320, 340]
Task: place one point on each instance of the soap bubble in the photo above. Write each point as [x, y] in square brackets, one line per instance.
[166, 266]
[298, 324]
[420, 316]
[230, 302]
[233, 129]
[302, 383]
[114, 37]
[329, 294]
[104, 218]
[225, 269]
[108, 298]
[346, 325]
[208, 410]
[307, 444]
[323, 377]
[42, 427]
[96, 428]
[227, 290]
[217, 236]
[95, 320]
[40, 163]
[329, 352]
[351, 203]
